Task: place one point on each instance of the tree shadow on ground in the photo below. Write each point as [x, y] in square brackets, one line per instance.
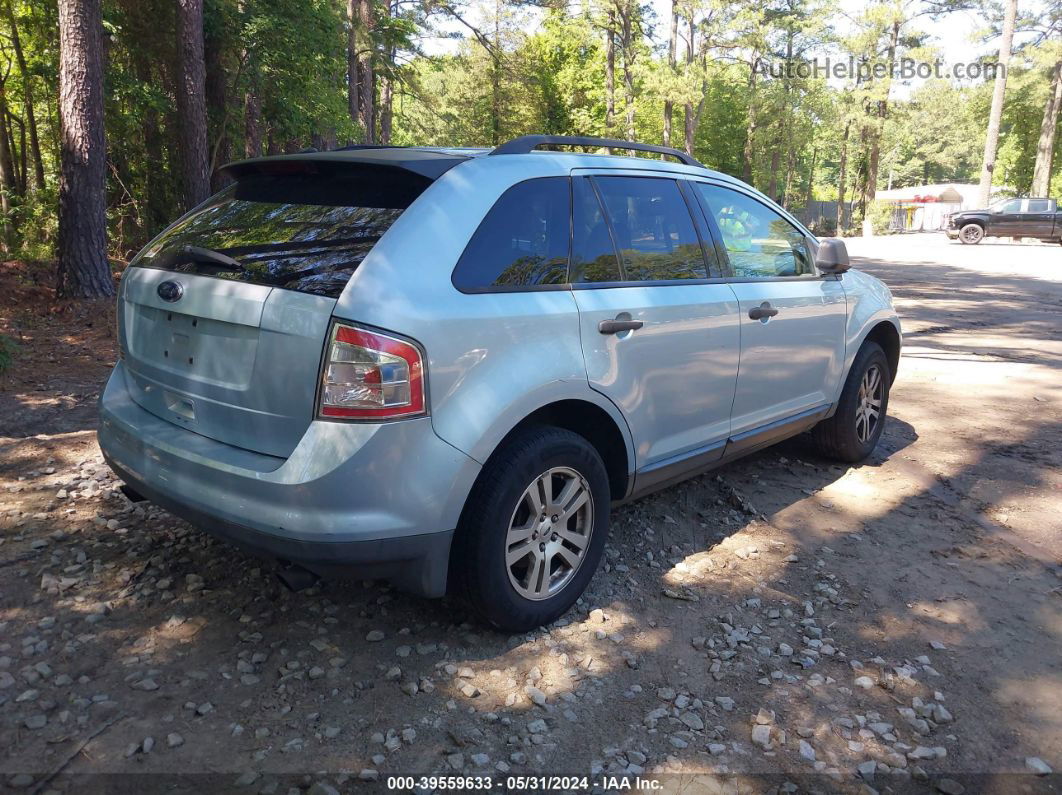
[743, 584]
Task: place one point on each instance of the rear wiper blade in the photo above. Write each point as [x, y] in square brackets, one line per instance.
[207, 257]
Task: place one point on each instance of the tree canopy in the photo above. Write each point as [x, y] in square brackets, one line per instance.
[720, 79]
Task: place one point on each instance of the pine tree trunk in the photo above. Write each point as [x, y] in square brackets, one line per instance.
[158, 210]
[10, 149]
[496, 79]
[366, 73]
[841, 177]
[610, 71]
[217, 103]
[22, 162]
[690, 126]
[252, 121]
[191, 102]
[672, 63]
[809, 196]
[1045, 147]
[870, 185]
[790, 169]
[387, 88]
[27, 92]
[386, 110]
[83, 268]
[772, 185]
[272, 144]
[7, 175]
[995, 116]
[750, 124]
[353, 78]
[627, 44]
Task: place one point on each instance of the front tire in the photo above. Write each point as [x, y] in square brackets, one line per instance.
[852, 433]
[533, 529]
[971, 234]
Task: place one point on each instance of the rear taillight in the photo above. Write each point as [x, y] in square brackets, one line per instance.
[371, 376]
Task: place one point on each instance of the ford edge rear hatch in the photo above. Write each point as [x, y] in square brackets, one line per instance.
[223, 317]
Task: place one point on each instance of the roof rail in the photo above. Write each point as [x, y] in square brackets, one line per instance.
[355, 147]
[527, 143]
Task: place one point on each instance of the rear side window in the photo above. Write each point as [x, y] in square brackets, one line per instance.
[593, 252]
[305, 232]
[1039, 205]
[523, 240]
[653, 229]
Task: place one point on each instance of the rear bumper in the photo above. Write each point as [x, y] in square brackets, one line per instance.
[376, 500]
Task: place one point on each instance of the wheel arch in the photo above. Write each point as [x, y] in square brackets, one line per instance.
[595, 424]
[885, 335]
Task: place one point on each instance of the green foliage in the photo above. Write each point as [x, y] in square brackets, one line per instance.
[936, 136]
[880, 215]
[8, 349]
[522, 68]
[38, 223]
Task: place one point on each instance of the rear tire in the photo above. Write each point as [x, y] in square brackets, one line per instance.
[852, 433]
[971, 234]
[519, 557]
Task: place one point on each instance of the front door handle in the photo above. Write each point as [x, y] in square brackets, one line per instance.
[616, 326]
[762, 311]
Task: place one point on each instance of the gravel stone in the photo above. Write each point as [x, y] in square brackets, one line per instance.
[1038, 766]
[761, 735]
[536, 695]
[692, 720]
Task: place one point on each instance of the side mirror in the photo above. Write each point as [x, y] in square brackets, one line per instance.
[832, 256]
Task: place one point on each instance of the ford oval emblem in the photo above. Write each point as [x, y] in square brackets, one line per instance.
[170, 291]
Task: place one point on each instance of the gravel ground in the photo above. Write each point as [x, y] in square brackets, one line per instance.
[780, 623]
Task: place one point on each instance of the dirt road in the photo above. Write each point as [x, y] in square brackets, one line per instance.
[896, 625]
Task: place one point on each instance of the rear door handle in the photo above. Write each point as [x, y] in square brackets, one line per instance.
[763, 310]
[616, 326]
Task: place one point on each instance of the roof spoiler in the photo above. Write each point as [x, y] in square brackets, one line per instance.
[528, 143]
[425, 163]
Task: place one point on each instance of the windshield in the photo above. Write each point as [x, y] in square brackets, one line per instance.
[300, 232]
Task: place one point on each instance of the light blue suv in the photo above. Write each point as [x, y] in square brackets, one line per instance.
[443, 366]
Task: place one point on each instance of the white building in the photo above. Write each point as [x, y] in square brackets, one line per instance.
[924, 208]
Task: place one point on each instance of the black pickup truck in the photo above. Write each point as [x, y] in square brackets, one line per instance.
[1017, 218]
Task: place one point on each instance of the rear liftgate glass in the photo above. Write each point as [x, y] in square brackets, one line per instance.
[306, 232]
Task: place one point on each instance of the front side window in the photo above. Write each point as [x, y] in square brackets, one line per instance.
[653, 228]
[760, 243]
[1009, 206]
[522, 241]
[306, 233]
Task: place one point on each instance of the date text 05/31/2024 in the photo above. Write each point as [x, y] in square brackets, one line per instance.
[521, 783]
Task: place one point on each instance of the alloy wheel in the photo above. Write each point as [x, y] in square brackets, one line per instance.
[868, 412]
[971, 234]
[549, 533]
